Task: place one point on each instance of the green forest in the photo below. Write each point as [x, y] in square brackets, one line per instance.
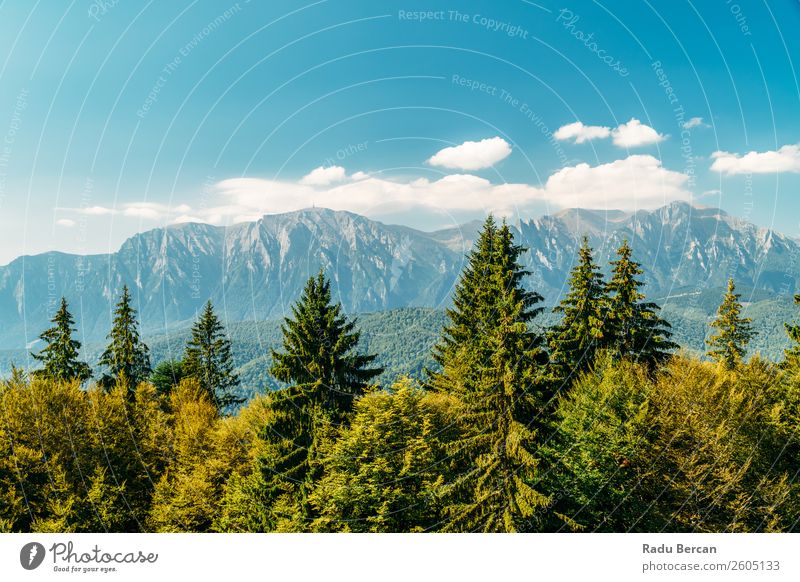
[598, 422]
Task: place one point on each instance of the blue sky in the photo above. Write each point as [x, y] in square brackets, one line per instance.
[120, 116]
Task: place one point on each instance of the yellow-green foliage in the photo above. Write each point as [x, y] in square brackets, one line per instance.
[386, 471]
[689, 446]
[77, 460]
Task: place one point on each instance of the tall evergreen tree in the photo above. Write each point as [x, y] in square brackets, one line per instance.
[792, 354]
[471, 311]
[126, 355]
[729, 344]
[208, 359]
[495, 365]
[577, 337]
[326, 373]
[320, 349]
[635, 331]
[60, 356]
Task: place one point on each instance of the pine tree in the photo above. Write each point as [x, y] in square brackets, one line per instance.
[792, 354]
[319, 349]
[495, 365]
[208, 359]
[60, 356]
[575, 340]
[126, 356]
[729, 345]
[635, 331]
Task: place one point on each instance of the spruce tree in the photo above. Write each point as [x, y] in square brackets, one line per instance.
[208, 359]
[577, 337]
[319, 349]
[60, 356]
[126, 356]
[167, 375]
[635, 331]
[729, 345]
[495, 365]
[326, 373]
[471, 311]
[792, 354]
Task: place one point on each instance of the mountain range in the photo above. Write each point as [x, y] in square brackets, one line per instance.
[254, 271]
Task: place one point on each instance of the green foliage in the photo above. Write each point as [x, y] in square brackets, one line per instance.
[127, 357]
[575, 339]
[596, 458]
[492, 359]
[76, 460]
[729, 344]
[166, 375]
[208, 359]
[635, 331]
[385, 473]
[319, 349]
[60, 356]
[326, 372]
[792, 354]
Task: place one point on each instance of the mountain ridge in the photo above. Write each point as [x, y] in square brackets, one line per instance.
[255, 270]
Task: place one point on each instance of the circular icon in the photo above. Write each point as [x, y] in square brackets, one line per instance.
[31, 555]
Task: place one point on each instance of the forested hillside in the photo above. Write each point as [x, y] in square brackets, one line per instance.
[524, 418]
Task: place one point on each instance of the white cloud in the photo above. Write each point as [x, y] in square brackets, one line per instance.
[66, 222]
[323, 176]
[637, 181]
[626, 135]
[581, 133]
[634, 134]
[694, 122]
[785, 159]
[145, 210]
[472, 155]
[93, 210]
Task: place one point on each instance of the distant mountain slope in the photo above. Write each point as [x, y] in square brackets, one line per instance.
[255, 271]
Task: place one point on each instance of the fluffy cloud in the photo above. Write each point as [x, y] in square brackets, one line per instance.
[626, 135]
[66, 222]
[323, 176]
[472, 155]
[638, 181]
[786, 159]
[581, 133]
[634, 134]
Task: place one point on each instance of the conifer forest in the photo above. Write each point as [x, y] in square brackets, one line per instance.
[597, 423]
